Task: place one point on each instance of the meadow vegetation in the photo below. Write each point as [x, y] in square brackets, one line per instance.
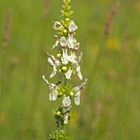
[110, 43]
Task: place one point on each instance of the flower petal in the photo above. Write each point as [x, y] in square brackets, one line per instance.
[73, 58]
[53, 61]
[52, 88]
[77, 98]
[66, 101]
[70, 42]
[80, 57]
[55, 45]
[53, 72]
[68, 74]
[50, 61]
[78, 70]
[63, 42]
[64, 57]
[76, 46]
[72, 27]
[43, 76]
[66, 118]
[53, 95]
[58, 26]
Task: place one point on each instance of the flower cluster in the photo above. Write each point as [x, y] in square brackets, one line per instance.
[65, 63]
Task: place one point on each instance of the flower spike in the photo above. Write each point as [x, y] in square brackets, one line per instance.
[65, 63]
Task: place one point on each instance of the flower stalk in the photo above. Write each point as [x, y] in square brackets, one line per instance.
[65, 63]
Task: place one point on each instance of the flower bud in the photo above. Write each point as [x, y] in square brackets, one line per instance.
[65, 31]
[64, 68]
[67, 20]
[60, 70]
[58, 55]
[60, 93]
[71, 93]
[58, 113]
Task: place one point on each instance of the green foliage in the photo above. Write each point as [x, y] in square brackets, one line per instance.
[59, 116]
[66, 10]
[59, 135]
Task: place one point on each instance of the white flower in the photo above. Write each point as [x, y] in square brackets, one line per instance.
[78, 70]
[53, 89]
[66, 101]
[77, 66]
[72, 27]
[76, 46]
[58, 26]
[68, 74]
[77, 91]
[77, 98]
[53, 95]
[73, 57]
[65, 57]
[54, 67]
[71, 41]
[54, 63]
[66, 118]
[68, 58]
[63, 42]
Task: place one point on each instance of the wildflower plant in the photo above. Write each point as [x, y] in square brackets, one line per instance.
[65, 63]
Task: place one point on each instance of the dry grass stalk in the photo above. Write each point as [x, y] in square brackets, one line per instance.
[46, 7]
[97, 113]
[110, 19]
[7, 28]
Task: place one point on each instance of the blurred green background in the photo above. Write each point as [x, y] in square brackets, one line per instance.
[110, 108]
